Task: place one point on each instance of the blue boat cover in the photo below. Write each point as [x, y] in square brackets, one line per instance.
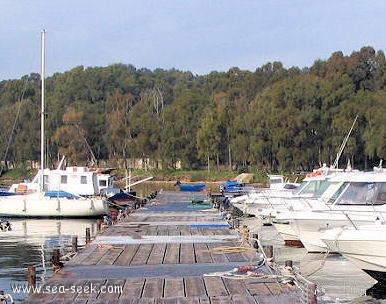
[59, 194]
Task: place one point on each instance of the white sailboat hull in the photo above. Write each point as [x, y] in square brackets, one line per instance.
[38, 205]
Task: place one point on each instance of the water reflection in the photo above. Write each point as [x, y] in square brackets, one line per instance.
[32, 242]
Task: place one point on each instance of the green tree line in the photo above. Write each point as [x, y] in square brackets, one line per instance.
[272, 119]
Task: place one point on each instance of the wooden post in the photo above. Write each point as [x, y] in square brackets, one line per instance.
[31, 276]
[235, 223]
[99, 225]
[255, 243]
[88, 236]
[288, 263]
[268, 250]
[55, 260]
[56, 255]
[75, 243]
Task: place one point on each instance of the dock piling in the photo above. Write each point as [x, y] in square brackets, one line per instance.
[75, 243]
[88, 236]
[99, 225]
[255, 243]
[31, 276]
[268, 251]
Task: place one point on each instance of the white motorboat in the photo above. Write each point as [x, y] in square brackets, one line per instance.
[365, 246]
[315, 185]
[45, 200]
[361, 201]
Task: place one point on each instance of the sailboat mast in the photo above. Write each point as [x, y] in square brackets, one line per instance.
[42, 109]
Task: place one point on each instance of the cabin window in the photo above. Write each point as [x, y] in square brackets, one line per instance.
[83, 180]
[320, 188]
[338, 192]
[63, 179]
[102, 183]
[361, 193]
[313, 187]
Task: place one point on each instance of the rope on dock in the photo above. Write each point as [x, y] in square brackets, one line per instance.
[231, 249]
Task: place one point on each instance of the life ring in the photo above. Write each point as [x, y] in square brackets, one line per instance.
[314, 174]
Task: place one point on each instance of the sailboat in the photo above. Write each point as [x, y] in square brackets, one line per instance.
[43, 201]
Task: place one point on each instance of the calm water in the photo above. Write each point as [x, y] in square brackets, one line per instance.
[32, 241]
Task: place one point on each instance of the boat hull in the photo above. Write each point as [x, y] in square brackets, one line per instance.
[365, 247]
[38, 205]
[288, 235]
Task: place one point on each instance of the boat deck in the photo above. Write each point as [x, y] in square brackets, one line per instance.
[170, 251]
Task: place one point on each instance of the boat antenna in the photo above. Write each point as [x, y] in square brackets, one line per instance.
[43, 72]
[343, 145]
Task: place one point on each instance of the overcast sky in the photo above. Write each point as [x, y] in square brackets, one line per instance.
[189, 35]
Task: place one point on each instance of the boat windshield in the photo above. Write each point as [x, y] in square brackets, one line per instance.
[312, 188]
[364, 193]
[337, 193]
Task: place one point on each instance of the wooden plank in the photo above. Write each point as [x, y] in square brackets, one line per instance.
[157, 254]
[45, 297]
[177, 300]
[246, 300]
[277, 288]
[187, 254]
[67, 291]
[142, 254]
[237, 255]
[221, 300]
[151, 230]
[133, 288]
[202, 253]
[215, 286]
[270, 299]
[194, 287]
[110, 257]
[82, 255]
[153, 288]
[92, 294]
[236, 287]
[216, 256]
[78, 294]
[173, 230]
[126, 256]
[174, 287]
[162, 230]
[257, 288]
[96, 256]
[111, 290]
[172, 254]
[185, 230]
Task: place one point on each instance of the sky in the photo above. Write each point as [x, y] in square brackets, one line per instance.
[199, 36]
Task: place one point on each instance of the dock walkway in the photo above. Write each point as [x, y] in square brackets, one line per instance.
[170, 251]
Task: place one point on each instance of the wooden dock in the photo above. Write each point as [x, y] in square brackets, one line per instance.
[171, 251]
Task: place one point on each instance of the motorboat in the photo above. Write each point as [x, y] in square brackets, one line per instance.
[360, 201]
[364, 245]
[315, 185]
